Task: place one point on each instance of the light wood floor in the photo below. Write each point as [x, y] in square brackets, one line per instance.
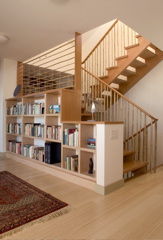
[130, 213]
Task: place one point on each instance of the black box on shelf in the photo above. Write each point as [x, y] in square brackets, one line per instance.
[52, 152]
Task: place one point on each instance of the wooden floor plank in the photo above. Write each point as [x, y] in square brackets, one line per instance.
[133, 212]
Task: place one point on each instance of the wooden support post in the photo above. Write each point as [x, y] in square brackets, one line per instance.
[77, 83]
[20, 77]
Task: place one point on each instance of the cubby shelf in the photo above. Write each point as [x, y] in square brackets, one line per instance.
[48, 120]
[68, 142]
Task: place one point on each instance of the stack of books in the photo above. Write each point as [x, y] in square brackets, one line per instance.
[91, 142]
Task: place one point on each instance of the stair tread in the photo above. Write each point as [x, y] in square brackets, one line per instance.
[115, 85]
[118, 58]
[133, 165]
[148, 53]
[138, 62]
[129, 71]
[132, 46]
[128, 152]
[120, 79]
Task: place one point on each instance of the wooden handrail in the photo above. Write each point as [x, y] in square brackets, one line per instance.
[121, 95]
[141, 130]
[116, 21]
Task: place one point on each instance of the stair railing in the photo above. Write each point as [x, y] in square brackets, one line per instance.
[140, 128]
[52, 69]
[112, 46]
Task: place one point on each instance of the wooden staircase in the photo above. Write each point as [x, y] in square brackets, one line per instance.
[131, 68]
[107, 86]
[141, 58]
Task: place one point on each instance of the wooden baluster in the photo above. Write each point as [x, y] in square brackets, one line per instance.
[133, 124]
[117, 108]
[109, 50]
[82, 89]
[103, 58]
[145, 139]
[128, 124]
[106, 55]
[95, 97]
[107, 107]
[141, 138]
[121, 109]
[91, 63]
[114, 106]
[105, 90]
[103, 117]
[111, 105]
[112, 46]
[88, 84]
[125, 123]
[123, 40]
[137, 127]
[116, 41]
[151, 146]
[155, 153]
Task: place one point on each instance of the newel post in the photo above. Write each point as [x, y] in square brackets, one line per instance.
[20, 77]
[78, 49]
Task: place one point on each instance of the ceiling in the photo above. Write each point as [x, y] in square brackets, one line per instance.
[34, 26]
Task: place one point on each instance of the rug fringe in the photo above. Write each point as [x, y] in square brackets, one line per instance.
[45, 218]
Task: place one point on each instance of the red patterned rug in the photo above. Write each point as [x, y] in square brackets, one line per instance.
[22, 204]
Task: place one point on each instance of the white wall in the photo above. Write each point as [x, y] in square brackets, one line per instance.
[109, 154]
[8, 80]
[91, 38]
[148, 94]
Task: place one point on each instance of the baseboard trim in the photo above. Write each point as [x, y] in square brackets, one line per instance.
[110, 188]
[57, 172]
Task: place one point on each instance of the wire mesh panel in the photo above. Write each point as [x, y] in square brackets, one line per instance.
[50, 70]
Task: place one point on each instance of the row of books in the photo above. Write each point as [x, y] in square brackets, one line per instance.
[34, 152]
[15, 128]
[53, 132]
[34, 130]
[91, 142]
[15, 109]
[71, 137]
[54, 108]
[33, 108]
[14, 146]
[71, 163]
[49, 154]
